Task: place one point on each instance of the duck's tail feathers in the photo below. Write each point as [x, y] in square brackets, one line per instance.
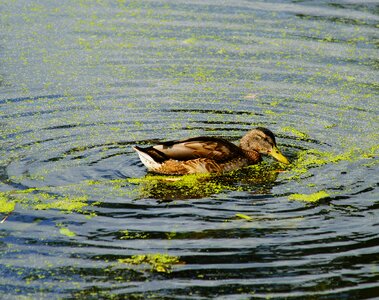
[146, 159]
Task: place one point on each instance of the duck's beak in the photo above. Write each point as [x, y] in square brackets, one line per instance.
[275, 153]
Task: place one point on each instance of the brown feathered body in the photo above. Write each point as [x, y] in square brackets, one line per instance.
[207, 154]
[195, 155]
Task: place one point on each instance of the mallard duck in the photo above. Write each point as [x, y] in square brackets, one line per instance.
[209, 154]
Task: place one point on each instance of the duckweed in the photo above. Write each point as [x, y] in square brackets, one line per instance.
[64, 203]
[243, 216]
[309, 197]
[67, 232]
[6, 205]
[157, 262]
[127, 235]
[41, 200]
[296, 132]
[312, 158]
[202, 185]
[178, 187]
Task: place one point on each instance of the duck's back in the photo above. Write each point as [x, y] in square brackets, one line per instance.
[217, 149]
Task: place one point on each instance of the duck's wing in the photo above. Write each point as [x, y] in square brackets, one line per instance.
[201, 147]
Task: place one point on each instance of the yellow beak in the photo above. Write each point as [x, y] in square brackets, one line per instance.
[275, 153]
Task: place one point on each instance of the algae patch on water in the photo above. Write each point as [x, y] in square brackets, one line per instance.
[67, 232]
[244, 217]
[309, 197]
[39, 199]
[128, 235]
[312, 158]
[203, 185]
[299, 134]
[155, 262]
[309, 162]
[6, 205]
[176, 187]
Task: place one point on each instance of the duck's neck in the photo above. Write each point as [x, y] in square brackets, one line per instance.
[253, 155]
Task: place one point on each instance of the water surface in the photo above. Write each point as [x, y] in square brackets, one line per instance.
[83, 81]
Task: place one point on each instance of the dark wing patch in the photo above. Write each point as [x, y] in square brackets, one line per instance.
[156, 155]
[200, 147]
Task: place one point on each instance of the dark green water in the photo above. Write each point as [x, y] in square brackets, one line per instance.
[83, 81]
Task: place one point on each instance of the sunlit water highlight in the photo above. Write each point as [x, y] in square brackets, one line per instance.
[81, 82]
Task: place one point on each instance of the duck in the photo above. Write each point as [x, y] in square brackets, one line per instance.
[205, 154]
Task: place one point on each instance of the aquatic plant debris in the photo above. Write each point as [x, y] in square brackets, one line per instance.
[127, 235]
[6, 205]
[41, 199]
[296, 132]
[311, 158]
[309, 197]
[177, 187]
[243, 216]
[158, 262]
[67, 232]
[201, 185]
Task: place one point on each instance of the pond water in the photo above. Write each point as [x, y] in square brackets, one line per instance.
[83, 81]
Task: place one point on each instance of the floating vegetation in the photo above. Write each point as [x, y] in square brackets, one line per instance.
[309, 197]
[155, 262]
[41, 200]
[6, 205]
[127, 235]
[67, 204]
[259, 176]
[296, 132]
[67, 232]
[312, 158]
[179, 187]
[243, 216]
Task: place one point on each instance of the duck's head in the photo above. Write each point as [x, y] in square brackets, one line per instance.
[262, 140]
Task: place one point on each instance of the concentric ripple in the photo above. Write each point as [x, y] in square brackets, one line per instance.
[81, 82]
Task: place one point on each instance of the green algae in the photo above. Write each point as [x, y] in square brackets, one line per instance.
[191, 186]
[176, 187]
[67, 232]
[40, 199]
[313, 158]
[6, 205]
[67, 204]
[312, 198]
[308, 161]
[244, 217]
[156, 262]
[295, 131]
[127, 235]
